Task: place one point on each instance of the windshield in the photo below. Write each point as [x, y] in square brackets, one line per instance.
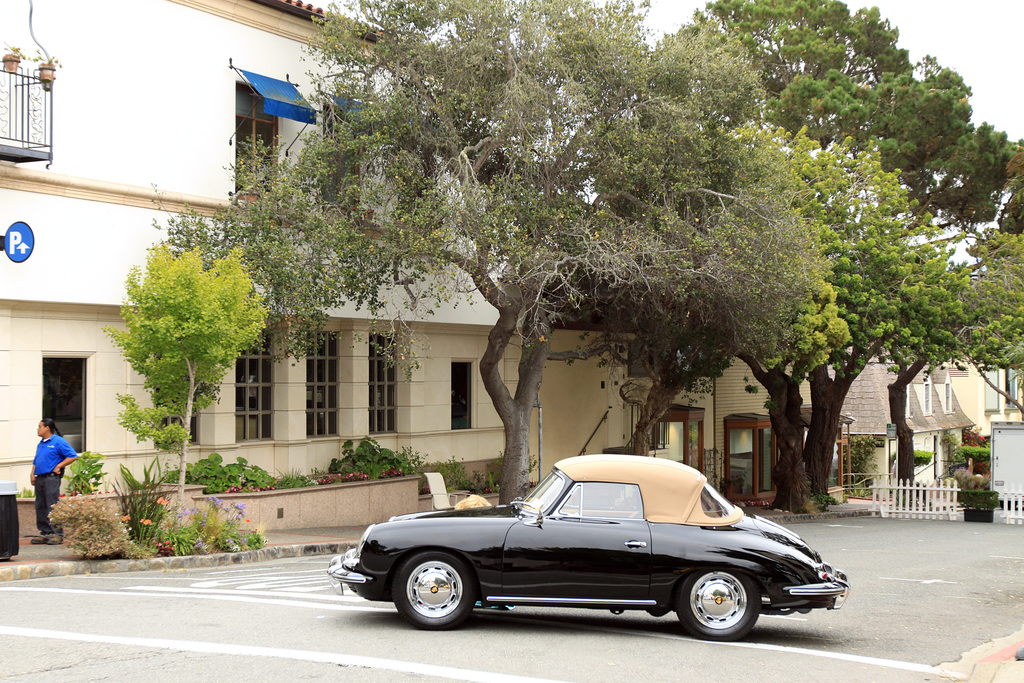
[546, 492]
[713, 504]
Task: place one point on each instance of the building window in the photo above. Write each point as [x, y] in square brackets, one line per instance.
[659, 436]
[253, 392]
[461, 395]
[252, 124]
[64, 397]
[750, 458]
[382, 385]
[682, 433]
[322, 387]
[949, 396]
[928, 395]
[1011, 383]
[991, 395]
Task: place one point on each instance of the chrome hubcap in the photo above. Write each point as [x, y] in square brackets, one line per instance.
[718, 600]
[434, 589]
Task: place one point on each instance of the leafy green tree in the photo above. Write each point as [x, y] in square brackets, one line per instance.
[841, 75]
[524, 151]
[882, 261]
[184, 327]
[994, 330]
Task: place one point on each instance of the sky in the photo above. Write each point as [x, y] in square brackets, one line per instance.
[979, 39]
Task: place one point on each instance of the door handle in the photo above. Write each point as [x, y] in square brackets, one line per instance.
[636, 544]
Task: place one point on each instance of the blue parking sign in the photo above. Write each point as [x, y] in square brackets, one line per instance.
[19, 242]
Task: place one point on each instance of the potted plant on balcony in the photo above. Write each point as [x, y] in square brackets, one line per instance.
[47, 70]
[12, 59]
[978, 501]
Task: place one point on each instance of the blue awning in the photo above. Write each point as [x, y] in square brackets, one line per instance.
[280, 98]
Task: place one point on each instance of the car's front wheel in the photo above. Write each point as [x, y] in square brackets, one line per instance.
[718, 605]
[434, 590]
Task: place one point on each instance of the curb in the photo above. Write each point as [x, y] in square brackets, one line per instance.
[66, 568]
[818, 516]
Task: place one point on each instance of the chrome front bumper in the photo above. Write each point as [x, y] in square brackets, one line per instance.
[838, 590]
[341, 570]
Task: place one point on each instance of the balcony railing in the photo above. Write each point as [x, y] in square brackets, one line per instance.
[26, 118]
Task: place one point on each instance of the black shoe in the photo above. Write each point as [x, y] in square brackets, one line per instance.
[39, 540]
[54, 540]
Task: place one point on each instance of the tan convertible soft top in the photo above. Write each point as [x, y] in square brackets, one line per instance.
[671, 491]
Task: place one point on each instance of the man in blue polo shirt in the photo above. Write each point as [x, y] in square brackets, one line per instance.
[52, 455]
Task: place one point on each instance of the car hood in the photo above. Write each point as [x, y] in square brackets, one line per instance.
[781, 534]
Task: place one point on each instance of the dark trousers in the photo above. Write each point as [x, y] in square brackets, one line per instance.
[47, 495]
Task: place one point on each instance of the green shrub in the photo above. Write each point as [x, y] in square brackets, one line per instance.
[142, 506]
[294, 480]
[85, 473]
[979, 454]
[92, 527]
[974, 499]
[455, 475]
[375, 461]
[823, 500]
[922, 458]
[216, 477]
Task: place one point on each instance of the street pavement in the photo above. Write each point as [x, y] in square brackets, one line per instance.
[991, 663]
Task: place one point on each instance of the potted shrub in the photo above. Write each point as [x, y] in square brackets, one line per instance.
[978, 501]
[979, 506]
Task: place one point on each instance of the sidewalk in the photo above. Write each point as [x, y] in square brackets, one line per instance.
[38, 561]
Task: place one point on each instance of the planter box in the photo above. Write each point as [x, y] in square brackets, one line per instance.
[424, 501]
[978, 515]
[27, 507]
[350, 504]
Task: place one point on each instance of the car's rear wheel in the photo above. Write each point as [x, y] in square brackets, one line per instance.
[434, 590]
[718, 604]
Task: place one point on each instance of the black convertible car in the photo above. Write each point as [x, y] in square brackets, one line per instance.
[612, 532]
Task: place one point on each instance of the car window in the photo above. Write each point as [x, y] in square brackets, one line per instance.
[546, 492]
[713, 504]
[604, 500]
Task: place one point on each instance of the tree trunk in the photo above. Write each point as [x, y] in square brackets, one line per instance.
[514, 411]
[789, 475]
[186, 421]
[827, 397]
[898, 416]
[659, 398]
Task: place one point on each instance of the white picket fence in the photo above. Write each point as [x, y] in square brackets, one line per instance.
[1013, 504]
[916, 500]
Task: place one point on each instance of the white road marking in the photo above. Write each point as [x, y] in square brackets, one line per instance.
[847, 526]
[1006, 557]
[925, 581]
[783, 616]
[225, 597]
[283, 653]
[333, 597]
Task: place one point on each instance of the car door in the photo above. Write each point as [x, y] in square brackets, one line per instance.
[595, 547]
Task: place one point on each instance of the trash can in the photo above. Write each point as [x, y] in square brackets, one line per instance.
[8, 519]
